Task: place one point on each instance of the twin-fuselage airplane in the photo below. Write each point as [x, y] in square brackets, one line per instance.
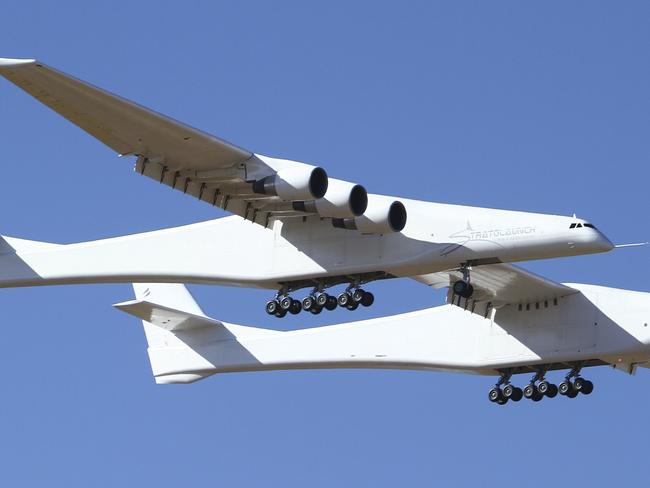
[295, 227]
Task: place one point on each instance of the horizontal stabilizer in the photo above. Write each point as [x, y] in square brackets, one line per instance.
[165, 317]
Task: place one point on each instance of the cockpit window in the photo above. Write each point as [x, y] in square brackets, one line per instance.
[577, 225]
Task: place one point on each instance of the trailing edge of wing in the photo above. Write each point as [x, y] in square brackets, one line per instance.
[124, 126]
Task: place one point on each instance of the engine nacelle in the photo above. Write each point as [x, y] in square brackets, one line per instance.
[291, 184]
[343, 200]
[381, 217]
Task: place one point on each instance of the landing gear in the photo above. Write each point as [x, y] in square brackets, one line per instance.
[463, 288]
[539, 387]
[571, 389]
[318, 299]
[509, 392]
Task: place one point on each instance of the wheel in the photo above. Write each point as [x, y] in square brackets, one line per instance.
[517, 394]
[296, 307]
[542, 387]
[529, 391]
[579, 383]
[280, 313]
[308, 303]
[508, 390]
[587, 387]
[352, 306]
[546, 388]
[321, 299]
[537, 396]
[502, 401]
[572, 393]
[272, 306]
[368, 299]
[357, 295]
[495, 394]
[463, 289]
[460, 288]
[565, 387]
[316, 309]
[343, 299]
[331, 303]
[285, 302]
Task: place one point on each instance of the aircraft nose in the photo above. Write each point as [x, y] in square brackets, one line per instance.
[602, 243]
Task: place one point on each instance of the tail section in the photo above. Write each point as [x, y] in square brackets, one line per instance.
[178, 332]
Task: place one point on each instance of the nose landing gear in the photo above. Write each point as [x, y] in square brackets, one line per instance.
[463, 288]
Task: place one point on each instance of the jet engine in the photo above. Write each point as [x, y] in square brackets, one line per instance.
[381, 217]
[343, 200]
[294, 183]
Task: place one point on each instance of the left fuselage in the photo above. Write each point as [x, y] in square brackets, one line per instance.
[237, 252]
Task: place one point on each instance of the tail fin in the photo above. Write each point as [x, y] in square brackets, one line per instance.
[177, 331]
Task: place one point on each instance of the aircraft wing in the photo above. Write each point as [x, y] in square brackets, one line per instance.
[498, 285]
[250, 185]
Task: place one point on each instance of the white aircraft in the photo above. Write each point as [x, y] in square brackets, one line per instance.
[293, 228]
[544, 326]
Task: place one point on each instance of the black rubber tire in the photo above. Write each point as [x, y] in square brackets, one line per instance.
[552, 391]
[308, 303]
[316, 309]
[572, 393]
[280, 313]
[537, 397]
[331, 303]
[357, 295]
[460, 288]
[517, 395]
[368, 299]
[343, 299]
[587, 388]
[296, 307]
[578, 383]
[272, 306]
[285, 302]
[495, 394]
[508, 391]
[352, 306]
[502, 401]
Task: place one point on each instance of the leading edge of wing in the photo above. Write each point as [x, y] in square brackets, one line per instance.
[123, 125]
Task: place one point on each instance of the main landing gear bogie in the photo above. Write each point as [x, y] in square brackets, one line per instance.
[318, 300]
[539, 387]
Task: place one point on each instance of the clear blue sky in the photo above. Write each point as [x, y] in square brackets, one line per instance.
[519, 105]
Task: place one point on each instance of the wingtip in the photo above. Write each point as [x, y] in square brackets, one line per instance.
[14, 63]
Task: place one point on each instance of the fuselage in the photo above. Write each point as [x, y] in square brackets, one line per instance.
[234, 251]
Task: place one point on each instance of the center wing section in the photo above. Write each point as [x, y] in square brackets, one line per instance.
[498, 285]
[250, 185]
